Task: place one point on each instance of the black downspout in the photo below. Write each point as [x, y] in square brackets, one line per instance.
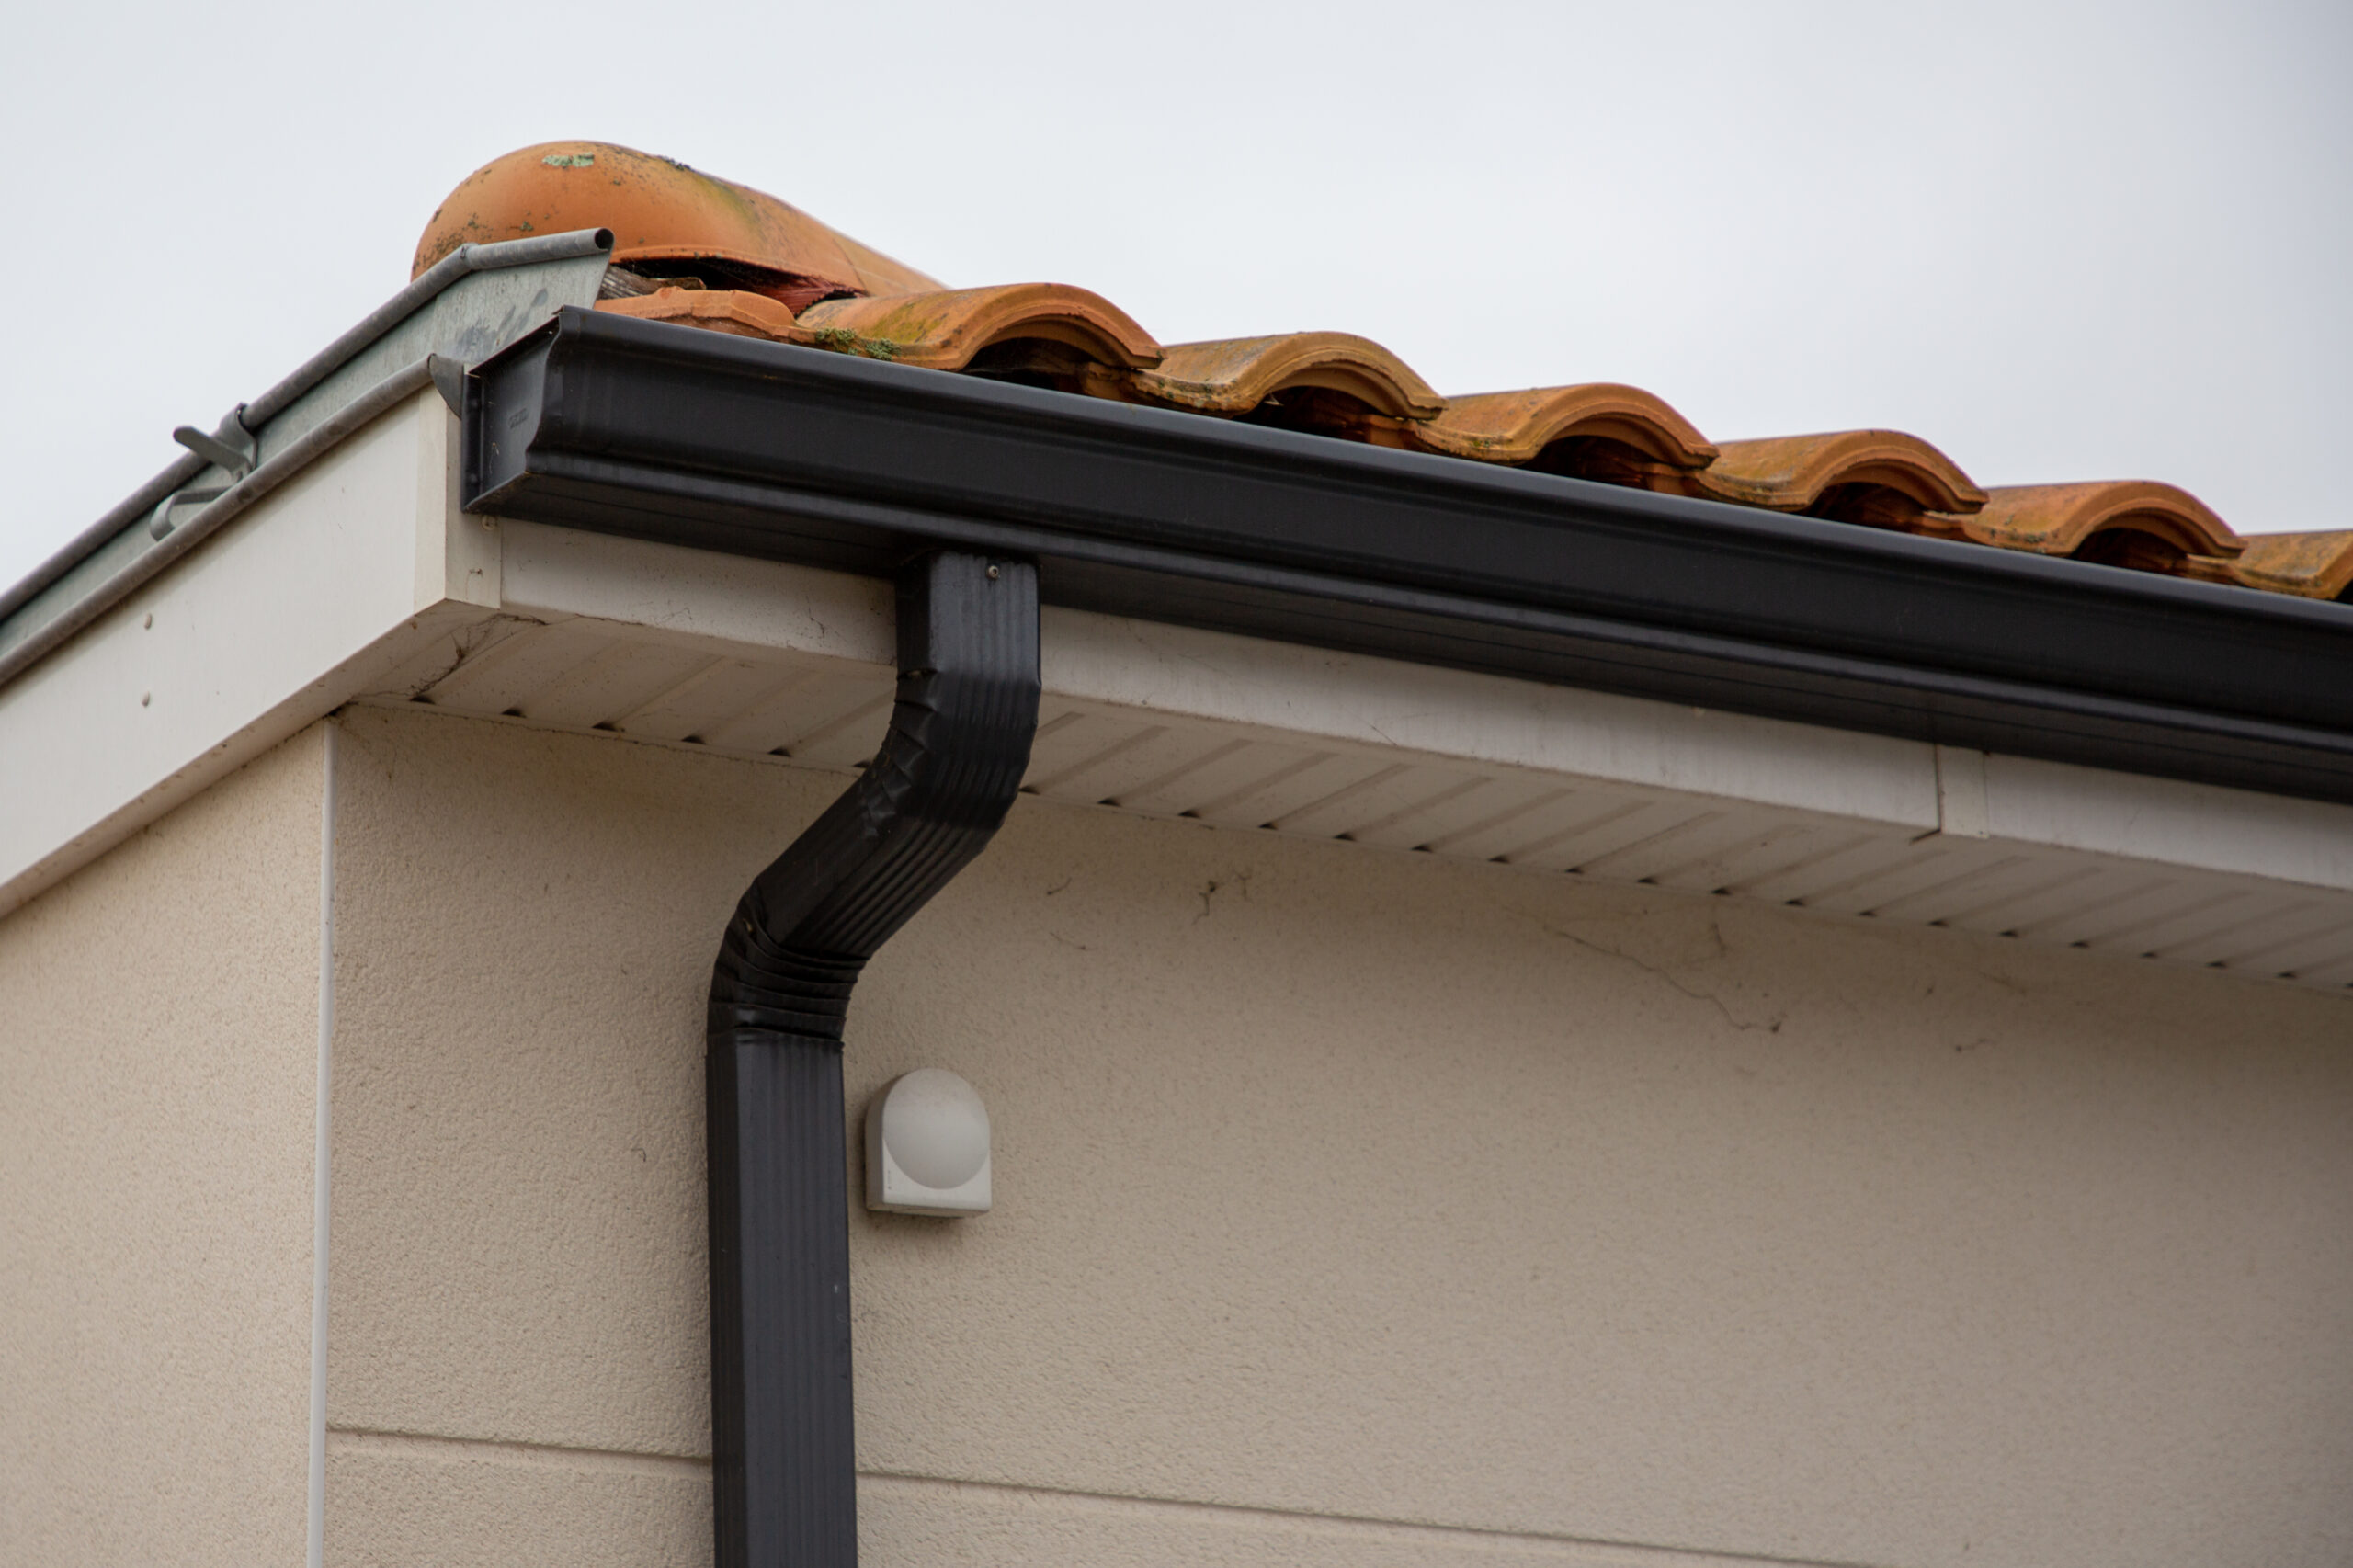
[784, 1483]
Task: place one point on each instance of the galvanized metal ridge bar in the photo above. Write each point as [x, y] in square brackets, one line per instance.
[666, 433]
[463, 262]
[460, 263]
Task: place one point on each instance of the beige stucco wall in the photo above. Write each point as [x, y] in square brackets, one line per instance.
[158, 1095]
[1352, 1207]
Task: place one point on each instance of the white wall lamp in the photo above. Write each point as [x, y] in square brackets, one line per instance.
[927, 1146]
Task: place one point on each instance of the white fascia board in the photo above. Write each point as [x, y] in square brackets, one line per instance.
[726, 604]
[360, 563]
[723, 602]
[2199, 826]
[1360, 699]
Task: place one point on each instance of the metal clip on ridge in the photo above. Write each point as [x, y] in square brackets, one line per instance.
[233, 448]
[784, 1485]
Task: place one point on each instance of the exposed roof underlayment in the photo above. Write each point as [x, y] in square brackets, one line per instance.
[379, 590]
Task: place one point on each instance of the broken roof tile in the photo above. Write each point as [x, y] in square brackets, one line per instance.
[1235, 375]
[2311, 565]
[665, 217]
[1882, 478]
[2132, 522]
[950, 330]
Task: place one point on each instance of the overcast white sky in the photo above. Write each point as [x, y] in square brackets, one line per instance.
[2061, 241]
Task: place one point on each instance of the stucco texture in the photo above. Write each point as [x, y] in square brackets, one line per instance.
[158, 1057]
[1351, 1206]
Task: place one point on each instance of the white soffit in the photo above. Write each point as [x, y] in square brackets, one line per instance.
[557, 629]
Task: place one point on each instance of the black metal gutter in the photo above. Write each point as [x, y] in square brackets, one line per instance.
[784, 1491]
[663, 432]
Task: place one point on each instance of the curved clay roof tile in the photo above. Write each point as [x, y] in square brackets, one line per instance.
[1234, 375]
[1516, 426]
[2314, 566]
[2060, 519]
[1791, 473]
[659, 211]
[944, 331]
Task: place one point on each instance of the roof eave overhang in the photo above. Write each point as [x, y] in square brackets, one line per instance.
[660, 432]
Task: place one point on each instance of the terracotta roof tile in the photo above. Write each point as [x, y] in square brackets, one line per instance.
[1267, 376]
[665, 217]
[952, 329]
[1600, 430]
[2314, 566]
[1883, 478]
[2129, 522]
[702, 251]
